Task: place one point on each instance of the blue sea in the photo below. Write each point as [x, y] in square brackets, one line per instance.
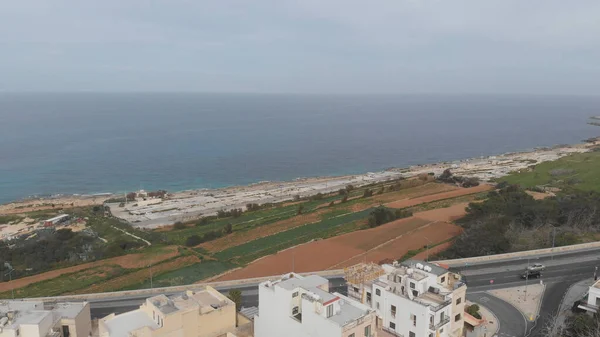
[85, 143]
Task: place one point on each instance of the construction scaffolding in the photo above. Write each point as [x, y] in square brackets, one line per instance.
[358, 276]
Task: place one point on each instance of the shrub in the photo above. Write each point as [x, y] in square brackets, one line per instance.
[193, 240]
[331, 204]
[344, 199]
[473, 310]
[367, 193]
[228, 229]
[179, 225]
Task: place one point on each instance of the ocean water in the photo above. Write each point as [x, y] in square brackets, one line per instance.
[94, 143]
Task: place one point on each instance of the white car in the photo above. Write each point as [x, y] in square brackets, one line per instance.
[536, 267]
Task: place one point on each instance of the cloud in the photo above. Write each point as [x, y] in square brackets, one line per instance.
[301, 46]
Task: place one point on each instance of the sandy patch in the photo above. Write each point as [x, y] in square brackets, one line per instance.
[45, 204]
[528, 303]
[540, 195]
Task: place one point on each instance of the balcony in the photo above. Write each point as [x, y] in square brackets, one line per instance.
[440, 324]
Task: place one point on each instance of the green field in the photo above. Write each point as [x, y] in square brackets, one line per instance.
[579, 171]
[67, 282]
[187, 275]
[289, 238]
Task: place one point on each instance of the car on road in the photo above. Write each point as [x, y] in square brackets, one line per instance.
[536, 267]
[531, 274]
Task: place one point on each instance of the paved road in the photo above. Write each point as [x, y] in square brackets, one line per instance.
[504, 312]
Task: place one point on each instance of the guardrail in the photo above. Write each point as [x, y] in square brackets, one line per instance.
[441, 323]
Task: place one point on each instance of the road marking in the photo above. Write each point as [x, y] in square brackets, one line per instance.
[484, 299]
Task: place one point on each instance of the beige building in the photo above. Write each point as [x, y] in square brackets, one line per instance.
[205, 313]
[39, 319]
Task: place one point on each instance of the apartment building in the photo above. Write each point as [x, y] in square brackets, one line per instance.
[416, 299]
[297, 306]
[205, 313]
[39, 319]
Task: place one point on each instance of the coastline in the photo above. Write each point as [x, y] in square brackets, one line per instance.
[190, 204]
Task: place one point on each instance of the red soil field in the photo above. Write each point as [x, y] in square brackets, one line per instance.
[439, 196]
[432, 251]
[447, 214]
[391, 240]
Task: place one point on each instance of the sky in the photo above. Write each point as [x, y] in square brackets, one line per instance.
[302, 46]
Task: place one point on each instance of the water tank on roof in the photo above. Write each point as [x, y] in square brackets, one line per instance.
[427, 269]
[419, 266]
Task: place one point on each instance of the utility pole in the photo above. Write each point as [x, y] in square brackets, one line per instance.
[12, 287]
[553, 237]
[596, 273]
[151, 285]
[526, 278]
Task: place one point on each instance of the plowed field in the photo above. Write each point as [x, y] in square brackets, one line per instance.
[439, 196]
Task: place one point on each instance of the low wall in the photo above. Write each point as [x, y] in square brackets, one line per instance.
[509, 256]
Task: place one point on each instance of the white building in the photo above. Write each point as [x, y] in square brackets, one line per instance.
[297, 306]
[418, 299]
[592, 304]
[39, 319]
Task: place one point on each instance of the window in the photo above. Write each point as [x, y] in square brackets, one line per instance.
[351, 335]
[377, 292]
[295, 294]
[153, 315]
[355, 289]
[65, 330]
[415, 293]
[18, 332]
[442, 330]
[393, 310]
[295, 311]
[458, 300]
[377, 305]
[412, 285]
[392, 325]
[413, 318]
[369, 298]
[430, 335]
[330, 310]
[443, 279]
[411, 334]
[457, 318]
[368, 331]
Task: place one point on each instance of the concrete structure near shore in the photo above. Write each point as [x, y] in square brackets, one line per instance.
[205, 313]
[297, 306]
[39, 319]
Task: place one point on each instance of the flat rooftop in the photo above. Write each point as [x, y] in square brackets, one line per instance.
[184, 301]
[350, 311]
[121, 325]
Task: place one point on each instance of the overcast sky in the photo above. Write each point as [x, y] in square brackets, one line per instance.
[302, 46]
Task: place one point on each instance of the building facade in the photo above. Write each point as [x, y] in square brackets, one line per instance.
[206, 313]
[297, 306]
[417, 299]
[591, 303]
[39, 319]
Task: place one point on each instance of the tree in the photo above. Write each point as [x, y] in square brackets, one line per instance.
[193, 240]
[64, 234]
[342, 191]
[473, 310]
[228, 229]
[367, 193]
[331, 204]
[445, 176]
[349, 188]
[300, 209]
[236, 296]
[203, 221]
[344, 199]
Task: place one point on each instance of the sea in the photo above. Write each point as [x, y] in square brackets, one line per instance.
[87, 143]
